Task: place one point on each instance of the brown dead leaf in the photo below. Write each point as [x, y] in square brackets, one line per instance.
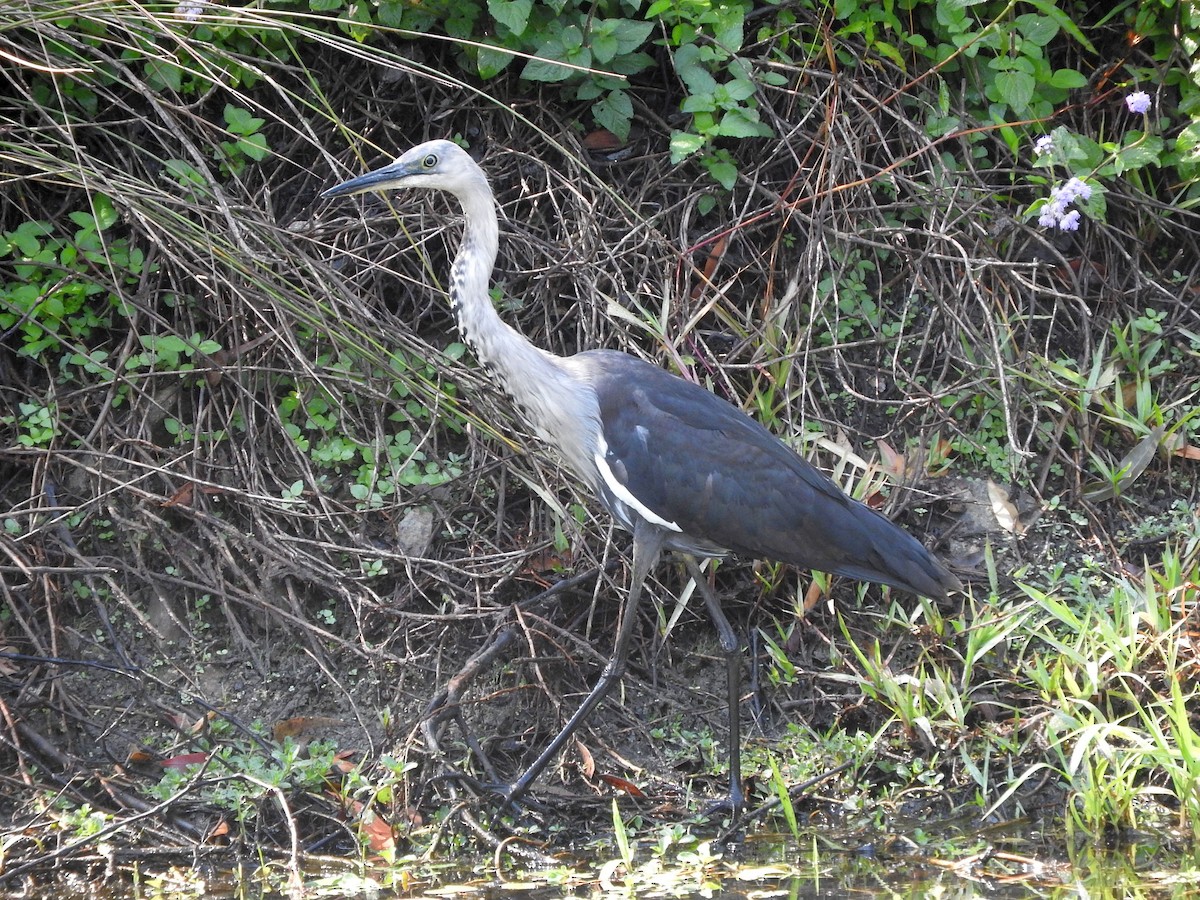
[812, 596]
[191, 728]
[601, 141]
[183, 760]
[220, 830]
[587, 761]
[343, 762]
[1003, 509]
[892, 462]
[298, 725]
[622, 785]
[376, 828]
[1187, 451]
[550, 561]
[182, 497]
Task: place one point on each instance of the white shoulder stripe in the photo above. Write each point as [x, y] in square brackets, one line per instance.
[622, 493]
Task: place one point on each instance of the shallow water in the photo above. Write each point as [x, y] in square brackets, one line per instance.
[764, 867]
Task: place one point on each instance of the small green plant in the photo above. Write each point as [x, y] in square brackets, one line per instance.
[37, 424]
[65, 292]
[248, 144]
[705, 38]
[378, 471]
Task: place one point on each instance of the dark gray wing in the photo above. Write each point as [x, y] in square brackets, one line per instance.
[698, 461]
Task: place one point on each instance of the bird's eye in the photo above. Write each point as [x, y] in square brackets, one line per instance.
[429, 162]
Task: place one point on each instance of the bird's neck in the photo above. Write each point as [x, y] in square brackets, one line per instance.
[551, 405]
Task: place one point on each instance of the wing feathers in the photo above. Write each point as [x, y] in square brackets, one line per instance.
[704, 466]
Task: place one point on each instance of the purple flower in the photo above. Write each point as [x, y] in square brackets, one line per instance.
[1075, 189]
[1057, 212]
[1069, 222]
[1043, 145]
[1138, 102]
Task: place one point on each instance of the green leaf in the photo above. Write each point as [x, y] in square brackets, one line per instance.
[631, 35]
[887, 50]
[1015, 88]
[729, 33]
[1068, 79]
[163, 74]
[391, 13]
[183, 172]
[103, 210]
[614, 112]
[491, 61]
[631, 63]
[1189, 139]
[742, 123]
[1050, 8]
[28, 235]
[604, 45]
[723, 171]
[1096, 206]
[739, 89]
[1038, 30]
[546, 69]
[240, 121]
[254, 146]
[1142, 152]
[571, 38]
[512, 14]
[684, 145]
[692, 72]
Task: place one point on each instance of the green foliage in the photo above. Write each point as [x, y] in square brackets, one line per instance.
[64, 292]
[237, 777]
[376, 472]
[705, 38]
[37, 424]
[1107, 660]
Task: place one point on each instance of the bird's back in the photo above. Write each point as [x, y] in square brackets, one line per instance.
[699, 463]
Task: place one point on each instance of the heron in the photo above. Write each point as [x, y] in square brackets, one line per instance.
[677, 466]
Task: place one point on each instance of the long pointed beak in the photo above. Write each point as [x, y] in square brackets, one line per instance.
[379, 180]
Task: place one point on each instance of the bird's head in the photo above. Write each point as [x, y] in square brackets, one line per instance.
[435, 164]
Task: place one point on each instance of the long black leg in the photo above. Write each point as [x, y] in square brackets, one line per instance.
[647, 544]
[733, 682]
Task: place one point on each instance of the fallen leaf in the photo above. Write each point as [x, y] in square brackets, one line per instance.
[374, 826]
[184, 760]
[221, 829]
[1003, 509]
[812, 596]
[601, 141]
[588, 763]
[297, 725]
[182, 497]
[622, 785]
[1188, 451]
[7, 667]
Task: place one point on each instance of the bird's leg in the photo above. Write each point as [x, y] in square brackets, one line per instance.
[647, 544]
[733, 681]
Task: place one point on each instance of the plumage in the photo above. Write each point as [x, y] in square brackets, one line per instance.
[693, 459]
[679, 467]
